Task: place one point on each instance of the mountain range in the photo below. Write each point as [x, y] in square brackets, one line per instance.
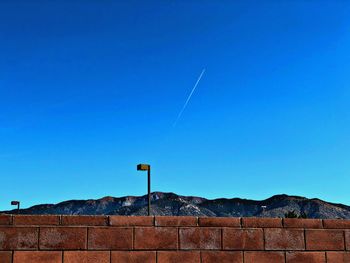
[177, 205]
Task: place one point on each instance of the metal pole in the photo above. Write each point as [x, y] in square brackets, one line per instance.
[18, 208]
[149, 190]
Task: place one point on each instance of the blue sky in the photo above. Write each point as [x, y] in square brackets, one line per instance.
[88, 89]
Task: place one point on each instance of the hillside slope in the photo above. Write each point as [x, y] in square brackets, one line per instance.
[172, 204]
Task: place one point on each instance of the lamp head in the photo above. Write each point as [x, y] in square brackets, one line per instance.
[14, 202]
[143, 167]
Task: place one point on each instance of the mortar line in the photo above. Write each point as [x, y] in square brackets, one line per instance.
[87, 238]
[264, 238]
[222, 238]
[39, 228]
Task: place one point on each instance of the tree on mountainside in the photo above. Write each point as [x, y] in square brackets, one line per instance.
[293, 214]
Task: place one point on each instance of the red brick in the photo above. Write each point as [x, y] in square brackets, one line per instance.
[5, 219]
[220, 221]
[110, 238]
[5, 256]
[36, 220]
[86, 257]
[84, 220]
[347, 239]
[284, 239]
[302, 223]
[261, 222]
[37, 257]
[306, 257]
[200, 238]
[18, 238]
[178, 257]
[175, 221]
[56, 238]
[264, 257]
[133, 257]
[155, 238]
[324, 240]
[222, 257]
[243, 239]
[338, 257]
[336, 223]
[131, 220]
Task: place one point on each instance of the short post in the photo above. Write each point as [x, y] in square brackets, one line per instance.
[147, 167]
[17, 203]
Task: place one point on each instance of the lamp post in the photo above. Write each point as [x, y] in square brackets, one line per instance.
[147, 167]
[17, 203]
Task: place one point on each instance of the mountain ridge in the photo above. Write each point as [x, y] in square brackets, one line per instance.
[178, 205]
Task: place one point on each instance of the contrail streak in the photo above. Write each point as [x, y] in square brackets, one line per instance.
[189, 98]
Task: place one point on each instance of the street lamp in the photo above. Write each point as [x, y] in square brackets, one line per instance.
[147, 167]
[17, 203]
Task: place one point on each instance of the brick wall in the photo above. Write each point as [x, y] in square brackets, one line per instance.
[103, 239]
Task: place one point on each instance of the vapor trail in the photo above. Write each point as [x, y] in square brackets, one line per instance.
[189, 97]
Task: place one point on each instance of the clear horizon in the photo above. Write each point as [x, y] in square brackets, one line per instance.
[88, 90]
